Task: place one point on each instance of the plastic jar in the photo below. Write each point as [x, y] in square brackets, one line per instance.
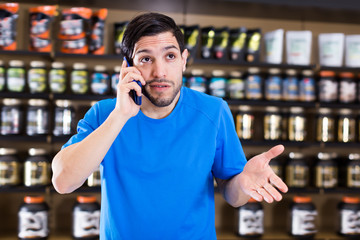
[353, 171]
[37, 77]
[33, 218]
[325, 129]
[9, 167]
[2, 76]
[307, 88]
[347, 87]
[100, 80]
[250, 219]
[57, 78]
[64, 118]
[348, 210]
[346, 126]
[236, 85]
[297, 125]
[37, 117]
[86, 218]
[273, 85]
[328, 87]
[94, 180]
[253, 84]
[290, 86]
[16, 76]
[297, 171]
[326, 171]
[245, 123]
[37, 168]
[79, 79]
[12, 117]
[272, 124]
[218, 82]
[197, 81]
[115, 77]
[303, 217]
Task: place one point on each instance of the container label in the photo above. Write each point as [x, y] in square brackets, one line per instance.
[273, 88]
[33, 224]
[198, 83]
[303, 222]
[251, 222]
[253, 87]
[349, 221]
[86, 224]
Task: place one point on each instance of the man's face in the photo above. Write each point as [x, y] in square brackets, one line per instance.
[161, 64]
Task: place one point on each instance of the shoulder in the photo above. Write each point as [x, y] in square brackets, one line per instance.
[101, 109]
[212, 107]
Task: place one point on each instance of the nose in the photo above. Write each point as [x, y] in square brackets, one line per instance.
[159, 69]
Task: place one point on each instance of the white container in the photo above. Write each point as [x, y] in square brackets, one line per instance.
[352, 51]
[274, 41]
[298, 47]
[331, 49]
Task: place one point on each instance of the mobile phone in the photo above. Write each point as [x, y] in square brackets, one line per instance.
[133, 94]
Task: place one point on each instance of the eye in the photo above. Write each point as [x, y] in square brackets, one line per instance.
[145, 59]
[171, 56]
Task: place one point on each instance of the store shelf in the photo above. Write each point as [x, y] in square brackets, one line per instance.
[26, 53]
[89, 56]
[23, 138]
[24, 95]
[265, 103]
[87, 97]
[23, 189]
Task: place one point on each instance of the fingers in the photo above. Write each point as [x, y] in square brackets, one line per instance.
[279, 183]
[273, 152]
[267, 193]
[128, 74]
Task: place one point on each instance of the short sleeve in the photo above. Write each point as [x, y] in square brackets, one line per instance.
[229, 157]
[85, 126]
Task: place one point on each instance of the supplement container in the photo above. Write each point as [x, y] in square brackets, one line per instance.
[297, 125]
[12, 117]
[16, 76]
[346, 126]
[64, 118]
[325, 129]
[290, 86]
[86, 218]
[100, 80]
[253, 84]
[197, 81]
[348, 210]
[10, 167]
[250, 219]
[33, 219]
[37, 169]
[273, 85]
[79, 79]
[307, 88]
[347, 87]
[297, 171]
[236, 85]
[57, 78]
[37, 77]
[272, 124]
[326, 171]
[245, 123]
[353, 171]
[218, 82]
[303, 216]
[328, 87]
[37, 117]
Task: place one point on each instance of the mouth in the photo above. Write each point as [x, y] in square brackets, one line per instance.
[159, 86]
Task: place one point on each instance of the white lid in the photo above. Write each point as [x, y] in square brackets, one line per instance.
[307, 73]
[11, 101]
[354, 156]
[296, 155]
[345, 111]
[272, 109]
[274, 71]
[1, 62]
[37, 151]
[235, 74]
[244, 108]
[197, 72]
[324, 110]
[218, 73]
[254, 70]
[296, 109]
[37, 64]
[7, 151]
[291, 72]
[117, 69]
[325, 156]
[58, 65]
[37, 102]
[79, 66]
[63, 103]
[100, 68]
[16, 63]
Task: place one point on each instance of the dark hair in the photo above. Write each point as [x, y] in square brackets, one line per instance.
[149, 24]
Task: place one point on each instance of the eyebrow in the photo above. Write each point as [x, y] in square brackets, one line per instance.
[164, 49]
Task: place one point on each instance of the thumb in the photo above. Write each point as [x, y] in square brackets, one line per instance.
[273, 152]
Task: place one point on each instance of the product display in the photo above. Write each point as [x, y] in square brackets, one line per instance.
[353, 171]
[245, 123]
[197, 81]
[36, 79]
[272, 124]
[237, 43]
[325, 126]
[10, 167]
[221, 40]
[352, 51]
[298, 47]
[331, 49]
[253, 84]
[2, 76]
[297, 125]
[119, 29]
[307, 88]
[33, 219]
[236, 85]
[207, 42]
[12, 114]
[191, 38]
[347, 87]
[297, 171]
[64, 118]
[98, 31]
[326, 171]
[16, 76]
[100, 80]
[218, 83]
[273, 84]
[86, 218]
[346, 126]
[349, 209]
[290, 86]
[79, 80]
[37, 117]
[57, 78]
[250, 219]
[328, 87]
[37, 168]
[253, 45]
[94, 180]
[115, 77]
[8, 23]
[274, 42]
[303, 217]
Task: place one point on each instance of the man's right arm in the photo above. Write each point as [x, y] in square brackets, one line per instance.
[74, 164]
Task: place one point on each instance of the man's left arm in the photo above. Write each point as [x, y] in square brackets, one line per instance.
[257, 181]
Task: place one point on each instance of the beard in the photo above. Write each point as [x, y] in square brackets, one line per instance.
[160, 101]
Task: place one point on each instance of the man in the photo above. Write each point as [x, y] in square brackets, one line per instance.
[158, 160]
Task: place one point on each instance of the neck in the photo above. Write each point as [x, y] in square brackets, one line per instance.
[152, 111]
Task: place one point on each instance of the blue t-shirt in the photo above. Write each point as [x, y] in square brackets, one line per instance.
[157, 177]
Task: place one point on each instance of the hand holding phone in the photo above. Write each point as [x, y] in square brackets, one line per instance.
[133, 94]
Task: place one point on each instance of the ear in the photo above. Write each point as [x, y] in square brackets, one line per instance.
[184, 56]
